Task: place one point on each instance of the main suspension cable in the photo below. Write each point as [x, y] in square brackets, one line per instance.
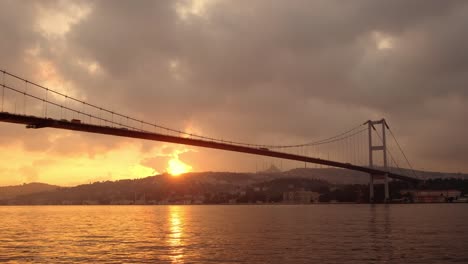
[338, 137]
[402, 152]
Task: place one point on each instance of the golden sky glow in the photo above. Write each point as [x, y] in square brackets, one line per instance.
[70, 169]
[176, 167]
[75, 160]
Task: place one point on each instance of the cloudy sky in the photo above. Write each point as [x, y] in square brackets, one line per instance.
[255, 71]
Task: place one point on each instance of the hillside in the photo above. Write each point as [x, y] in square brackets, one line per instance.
[208, 187]
[218, 187]
[8, 192]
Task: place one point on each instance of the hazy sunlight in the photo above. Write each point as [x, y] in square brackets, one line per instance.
[177, 167]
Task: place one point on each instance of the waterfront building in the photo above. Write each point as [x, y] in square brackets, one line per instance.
[433, 196]
[300, 197]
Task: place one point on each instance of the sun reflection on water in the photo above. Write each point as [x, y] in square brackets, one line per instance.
[175, 237]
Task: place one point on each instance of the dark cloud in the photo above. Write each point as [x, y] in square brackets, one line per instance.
[16, 21]
[260, 71]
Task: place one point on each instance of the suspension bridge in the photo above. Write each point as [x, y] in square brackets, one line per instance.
[37, 106]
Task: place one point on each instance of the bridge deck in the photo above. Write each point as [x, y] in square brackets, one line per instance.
[39, 122]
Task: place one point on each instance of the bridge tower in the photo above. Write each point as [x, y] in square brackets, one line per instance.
[372, 149]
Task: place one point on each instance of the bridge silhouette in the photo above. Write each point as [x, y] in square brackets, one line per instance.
[36, 106]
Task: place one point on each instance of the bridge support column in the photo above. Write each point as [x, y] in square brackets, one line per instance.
[387, 191]
[371, 164]
[382, 148]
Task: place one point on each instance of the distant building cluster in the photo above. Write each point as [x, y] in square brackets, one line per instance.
[228, 188]
[300, 197]
[434, 196]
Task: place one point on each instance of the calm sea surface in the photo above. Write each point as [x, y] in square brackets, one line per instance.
[416, 233]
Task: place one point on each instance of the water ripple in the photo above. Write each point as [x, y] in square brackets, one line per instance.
[235, 234]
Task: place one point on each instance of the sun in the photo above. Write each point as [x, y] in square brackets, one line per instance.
[176, 167]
